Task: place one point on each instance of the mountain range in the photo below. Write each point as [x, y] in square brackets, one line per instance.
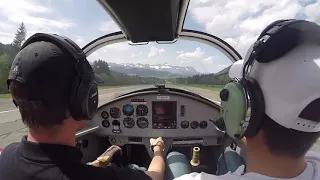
[158, 70]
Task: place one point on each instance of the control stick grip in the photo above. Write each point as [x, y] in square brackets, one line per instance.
[195, 161]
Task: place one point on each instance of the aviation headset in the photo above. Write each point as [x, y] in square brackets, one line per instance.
[243, 97]
[83, 94]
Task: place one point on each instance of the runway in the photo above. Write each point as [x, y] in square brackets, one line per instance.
[12, 129]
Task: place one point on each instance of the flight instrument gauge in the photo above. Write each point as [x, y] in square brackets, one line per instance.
[127, 110]
[194, 125]
[115, 112]
[128, 122]
[142, 110]
[203, 124]
[142, 123]
[104, 115]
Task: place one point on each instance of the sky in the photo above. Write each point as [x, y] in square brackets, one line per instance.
[238, 22]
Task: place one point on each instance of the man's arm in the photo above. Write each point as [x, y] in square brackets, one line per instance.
[157, 166]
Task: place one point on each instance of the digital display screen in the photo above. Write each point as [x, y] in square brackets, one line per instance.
[164, 114]
[164, 108]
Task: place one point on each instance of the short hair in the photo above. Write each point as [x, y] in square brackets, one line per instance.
[50, 114]
[282, 141]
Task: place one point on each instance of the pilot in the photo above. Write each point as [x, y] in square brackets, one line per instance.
[280, 78]
[55, 89]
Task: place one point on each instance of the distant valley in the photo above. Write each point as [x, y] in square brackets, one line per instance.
[158, 70]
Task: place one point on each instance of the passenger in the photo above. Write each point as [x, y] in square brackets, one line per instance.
[40, 81]
[279, 147]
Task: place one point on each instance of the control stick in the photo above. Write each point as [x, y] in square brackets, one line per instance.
[195, 161]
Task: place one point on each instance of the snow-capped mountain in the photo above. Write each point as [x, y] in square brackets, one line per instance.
[158, 70]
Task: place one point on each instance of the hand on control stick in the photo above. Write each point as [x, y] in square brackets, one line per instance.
[105, 158]
[156, 144]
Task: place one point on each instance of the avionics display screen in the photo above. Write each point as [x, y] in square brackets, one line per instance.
[164, 114]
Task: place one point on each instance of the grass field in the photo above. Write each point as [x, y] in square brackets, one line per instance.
[2, 96]
[216, 88]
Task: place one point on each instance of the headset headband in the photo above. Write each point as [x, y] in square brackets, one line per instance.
[279, 38]
[65, 42]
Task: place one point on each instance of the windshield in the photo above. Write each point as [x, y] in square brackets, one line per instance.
[185, 64]
[189, 65]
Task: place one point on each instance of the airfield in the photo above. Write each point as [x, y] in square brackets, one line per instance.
[12, 129]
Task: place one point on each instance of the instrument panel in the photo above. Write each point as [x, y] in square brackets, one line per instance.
[175, 116]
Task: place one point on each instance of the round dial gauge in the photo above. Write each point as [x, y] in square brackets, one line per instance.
[185, 124]
[142, 110]
[203, 124]
[127, 110]
[128, 122]
[104, 115]
[115, 112]
[105, 123]
[142, 123]
[194, 125]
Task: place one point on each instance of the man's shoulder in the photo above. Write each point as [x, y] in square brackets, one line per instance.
[8, 150]
[312, 155]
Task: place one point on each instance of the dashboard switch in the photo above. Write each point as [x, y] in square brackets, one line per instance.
[182, 110]
[116, 126]
[113, 140]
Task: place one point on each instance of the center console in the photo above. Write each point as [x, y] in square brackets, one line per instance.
[164, 115]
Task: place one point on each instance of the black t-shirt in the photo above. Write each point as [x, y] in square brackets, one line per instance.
[27, 160]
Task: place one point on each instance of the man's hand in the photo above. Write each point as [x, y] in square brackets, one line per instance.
[157, 145]
[105, 158]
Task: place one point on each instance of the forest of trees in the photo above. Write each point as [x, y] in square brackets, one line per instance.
[7, 54]
[220, 78]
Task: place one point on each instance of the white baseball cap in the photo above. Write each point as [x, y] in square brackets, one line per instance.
[288, 84]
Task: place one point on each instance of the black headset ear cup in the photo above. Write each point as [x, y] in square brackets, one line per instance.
[75, 102]
[256, 106]
[84, 98]
[90, 105]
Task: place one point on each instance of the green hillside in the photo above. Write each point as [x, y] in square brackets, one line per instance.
[220, 78]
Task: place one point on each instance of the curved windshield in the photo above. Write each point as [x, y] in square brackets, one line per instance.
[188, 65]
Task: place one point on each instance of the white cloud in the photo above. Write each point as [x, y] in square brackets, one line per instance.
[208, 60]
[155, 51]
[179, 52]
[312, 11]
[223, 65]
[80, 40]
[32, 14]
[123, 46]
[108, 27]
[239, 22]
[195, 54]
[94, 56]
[133, 55]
